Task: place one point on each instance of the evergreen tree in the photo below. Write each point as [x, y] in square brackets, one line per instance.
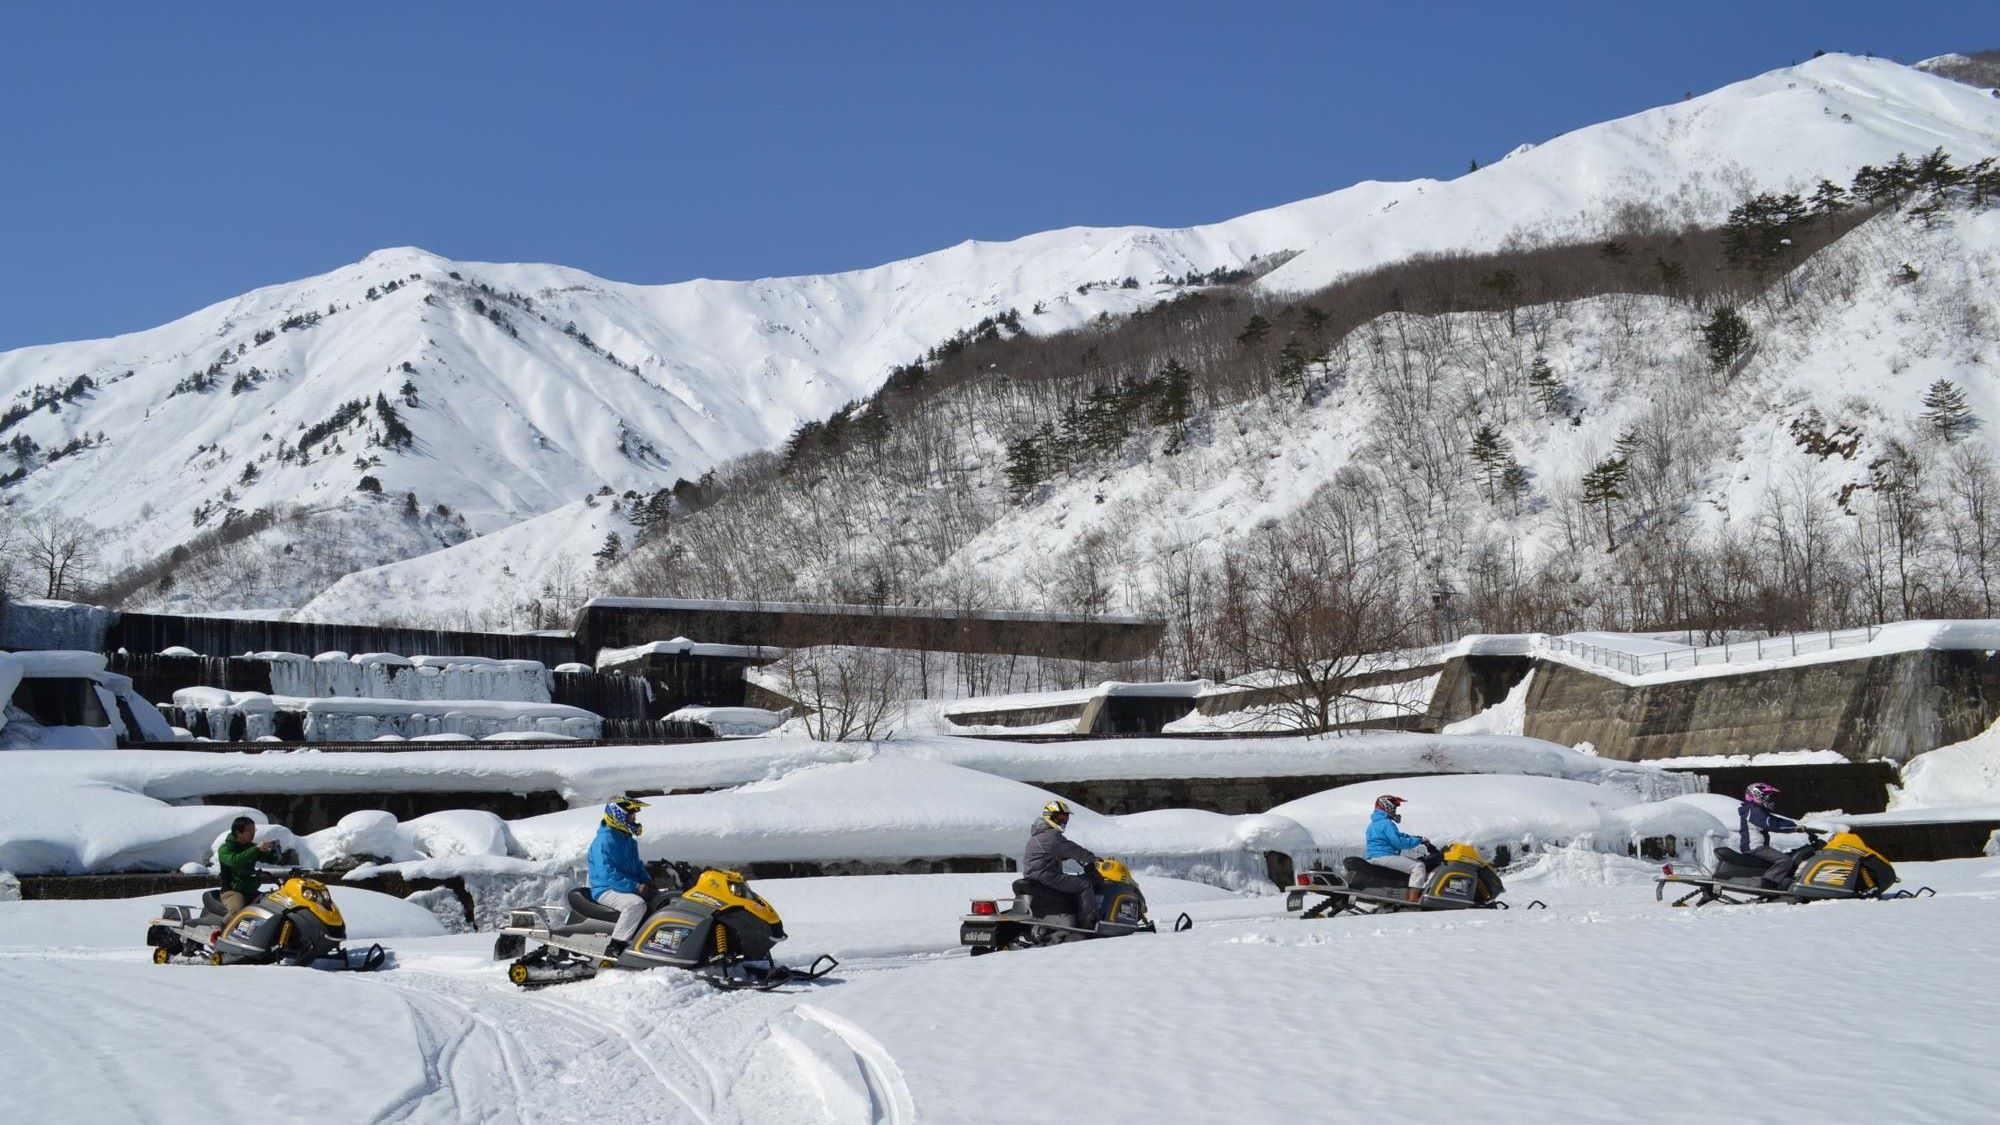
[410, 504]
[1604, 485]
[1173, 403]
[1726, 336]
[1759, 236]
[1627, 445]
[609, 552]
[1514, 482]
[1489, 449]
[1550, 394]
[409, 393]
[1828, 198]
[249, 473]
[1025, 469]
[1254, 331]
[1945, 410]
[1292, 363]
[369, 484]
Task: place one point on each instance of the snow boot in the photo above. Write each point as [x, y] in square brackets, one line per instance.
[613, 949]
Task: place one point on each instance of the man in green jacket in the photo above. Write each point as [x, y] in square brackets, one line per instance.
[238, 856]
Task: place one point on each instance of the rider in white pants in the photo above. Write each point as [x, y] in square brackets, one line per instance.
[631, 910]
[617, 877]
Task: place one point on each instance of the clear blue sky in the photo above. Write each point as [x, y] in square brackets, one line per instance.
[156, 157]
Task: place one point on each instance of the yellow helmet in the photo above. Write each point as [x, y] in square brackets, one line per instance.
[1056, 812]
[622, 814]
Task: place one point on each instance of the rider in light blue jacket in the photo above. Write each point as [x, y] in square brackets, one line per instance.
[618, 878]
[1389, 846]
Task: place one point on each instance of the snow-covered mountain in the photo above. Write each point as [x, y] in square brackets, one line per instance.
[492, 394]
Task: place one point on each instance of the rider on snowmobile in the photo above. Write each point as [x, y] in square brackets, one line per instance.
[1389, 846]
[236, 858]
[618, 878]
[1048, 848]
[1758, 812]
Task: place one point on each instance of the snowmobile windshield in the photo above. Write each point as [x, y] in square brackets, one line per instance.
[1113, 871]
[312, 894]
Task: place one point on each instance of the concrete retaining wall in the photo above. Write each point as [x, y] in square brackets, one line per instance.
[1892, 707]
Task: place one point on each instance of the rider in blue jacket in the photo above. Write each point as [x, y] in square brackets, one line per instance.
[1389, 846]
[618, 878]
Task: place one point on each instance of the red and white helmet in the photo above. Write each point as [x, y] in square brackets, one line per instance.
[1761, 794]
[1387, 803]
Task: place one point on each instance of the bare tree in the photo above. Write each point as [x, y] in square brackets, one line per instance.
[1313, 604]
[849, 693]
[59, 554]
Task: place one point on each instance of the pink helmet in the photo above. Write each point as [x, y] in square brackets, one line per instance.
[1761, 794]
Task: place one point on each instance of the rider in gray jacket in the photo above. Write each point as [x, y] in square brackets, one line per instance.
[1048, 848]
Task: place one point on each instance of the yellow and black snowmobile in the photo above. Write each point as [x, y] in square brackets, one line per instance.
[717, 928]
[1042, 915]
[1823, 868]
[294, 922]
[1457, 878]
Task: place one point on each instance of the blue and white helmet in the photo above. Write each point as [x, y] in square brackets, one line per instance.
[623, 814]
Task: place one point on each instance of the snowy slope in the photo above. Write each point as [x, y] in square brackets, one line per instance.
[1691, 161]
[523, 378]
[481, 580]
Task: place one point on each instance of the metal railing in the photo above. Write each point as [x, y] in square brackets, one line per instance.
[1733, 652]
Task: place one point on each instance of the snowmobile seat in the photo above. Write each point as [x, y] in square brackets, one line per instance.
[1044, 900]
[211, 904]
[1363, 875]
[582, 906]
[1732, 864]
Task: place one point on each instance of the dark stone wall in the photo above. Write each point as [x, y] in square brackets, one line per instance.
[683, 679]
[617, 626]
[157, 677]
[1853, 787]
[1914, 843]
[1894, 707]
[227, 636]
[1468, 685]
[1139, 714]
[613, 695]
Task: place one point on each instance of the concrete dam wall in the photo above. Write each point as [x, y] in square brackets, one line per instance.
[1892, 706]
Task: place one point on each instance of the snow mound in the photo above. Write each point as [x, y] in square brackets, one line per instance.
[1494, 811]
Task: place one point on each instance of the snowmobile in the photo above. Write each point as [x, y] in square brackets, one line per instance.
[1822, 868]
[1457, 878]
[293, 922]
[717, 928]
[1042, 915]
